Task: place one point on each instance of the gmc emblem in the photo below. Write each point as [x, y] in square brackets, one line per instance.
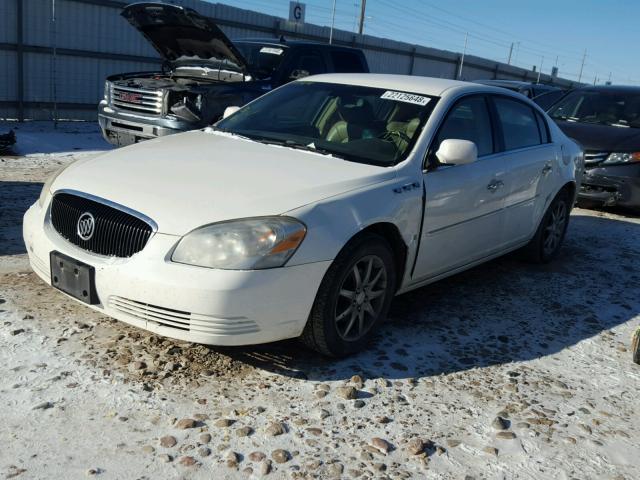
[130, 97]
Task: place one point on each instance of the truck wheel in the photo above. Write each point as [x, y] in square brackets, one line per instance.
[546, 243]
[353, 298]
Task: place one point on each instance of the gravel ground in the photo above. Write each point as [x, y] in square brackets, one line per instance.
[506, 371]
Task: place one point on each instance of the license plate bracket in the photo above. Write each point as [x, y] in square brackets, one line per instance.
[73, 277]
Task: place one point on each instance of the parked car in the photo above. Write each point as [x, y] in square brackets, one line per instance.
[605, 120]
[306, 211]
[528, 89]
[203, 73]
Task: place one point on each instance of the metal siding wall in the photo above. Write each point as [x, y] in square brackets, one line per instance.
[99, 28]
[8, 17]
[8, 65]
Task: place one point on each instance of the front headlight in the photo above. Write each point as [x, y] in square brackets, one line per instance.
[44, 193]
[107, 90]
[622, 158]
[248, 244]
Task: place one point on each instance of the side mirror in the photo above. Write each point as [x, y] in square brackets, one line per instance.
[230, 111]
[457, 152]
[297, 74]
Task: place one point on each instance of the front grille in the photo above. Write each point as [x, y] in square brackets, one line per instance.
[116, 233]
[181, 320]
[592, 158]
[137, 100]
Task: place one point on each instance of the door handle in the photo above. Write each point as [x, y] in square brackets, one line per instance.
[547, 168]
[495, 185]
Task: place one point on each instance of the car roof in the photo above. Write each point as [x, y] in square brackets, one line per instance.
[408, 83]
[611, 88]
[514, 83]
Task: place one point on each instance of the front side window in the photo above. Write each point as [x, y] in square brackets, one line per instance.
[312, 63]
[346, 62]
[468, 120]
[361, 124]
[519, 124]
[617, 109]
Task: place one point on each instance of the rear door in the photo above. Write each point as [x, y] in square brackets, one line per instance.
[530, 162]
[463, 218]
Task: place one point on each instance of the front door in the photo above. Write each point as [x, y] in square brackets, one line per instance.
[463, 217]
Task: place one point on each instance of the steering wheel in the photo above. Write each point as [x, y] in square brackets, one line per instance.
[390, 134]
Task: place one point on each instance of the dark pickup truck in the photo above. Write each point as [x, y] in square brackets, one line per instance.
[203, 73]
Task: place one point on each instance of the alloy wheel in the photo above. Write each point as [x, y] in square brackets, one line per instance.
[555, 228]
[361, 298]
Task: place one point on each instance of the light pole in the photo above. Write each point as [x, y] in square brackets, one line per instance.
[333, 21]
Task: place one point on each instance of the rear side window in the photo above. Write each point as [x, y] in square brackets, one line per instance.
[469, 120]
[519, 124]
[346, 62]
[311, 62]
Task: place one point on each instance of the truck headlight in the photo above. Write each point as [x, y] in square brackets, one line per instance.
[619, 158]
[246, 244]
[107, 91]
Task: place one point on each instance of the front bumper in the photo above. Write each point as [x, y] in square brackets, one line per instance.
[613, 185]
[137, 127]
[215, 307]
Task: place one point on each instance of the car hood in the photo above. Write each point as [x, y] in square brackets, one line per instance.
[184, 37]
[602, 138]
[192, 179]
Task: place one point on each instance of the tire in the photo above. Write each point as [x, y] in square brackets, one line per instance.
[340, 302]
[542, 249]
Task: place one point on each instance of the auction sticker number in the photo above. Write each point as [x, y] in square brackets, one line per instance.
[271, 51]
[405, 97]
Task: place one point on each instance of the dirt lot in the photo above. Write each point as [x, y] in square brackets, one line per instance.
[543, 348]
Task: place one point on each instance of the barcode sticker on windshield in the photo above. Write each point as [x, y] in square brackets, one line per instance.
[272, 51]
[405, 97]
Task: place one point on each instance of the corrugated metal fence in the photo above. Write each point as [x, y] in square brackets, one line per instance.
[55, 54]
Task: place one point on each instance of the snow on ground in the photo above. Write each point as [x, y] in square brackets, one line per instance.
[542, 347]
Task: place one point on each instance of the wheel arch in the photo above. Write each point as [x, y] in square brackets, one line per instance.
[391, 234]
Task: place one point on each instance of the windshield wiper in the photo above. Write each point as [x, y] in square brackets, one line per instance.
[292, 144]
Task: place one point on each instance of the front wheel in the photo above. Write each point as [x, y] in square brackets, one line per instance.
[353, 299]
[546, 243]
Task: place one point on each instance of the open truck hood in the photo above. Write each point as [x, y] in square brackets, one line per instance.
[183, 37]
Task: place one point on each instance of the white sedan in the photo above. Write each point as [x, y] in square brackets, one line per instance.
[305, 212]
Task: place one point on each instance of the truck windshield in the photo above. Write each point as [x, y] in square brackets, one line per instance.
[618, 109]
[263, 59]
[361, 124]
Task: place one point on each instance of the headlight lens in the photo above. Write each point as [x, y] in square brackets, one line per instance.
[249, 244]
[107, 91]
[621, 158]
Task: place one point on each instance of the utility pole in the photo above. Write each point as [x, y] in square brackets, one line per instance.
[333, 21]
[464, 52]
[609, 81]
[515, 60]
[595, 79]
[510, 52]
[363, 7]
[540, 70]
[584, 57]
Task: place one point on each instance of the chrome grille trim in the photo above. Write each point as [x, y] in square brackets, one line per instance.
[146, 101]
[591, 157]
[181, 320]
[119, 231]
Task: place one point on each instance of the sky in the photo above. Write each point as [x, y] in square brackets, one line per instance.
[544, 32]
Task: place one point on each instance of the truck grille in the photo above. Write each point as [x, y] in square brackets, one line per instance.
[115, 232]
[137, 100]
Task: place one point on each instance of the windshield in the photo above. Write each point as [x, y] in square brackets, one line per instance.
[361, 124]
[263, 59]
[618, 109]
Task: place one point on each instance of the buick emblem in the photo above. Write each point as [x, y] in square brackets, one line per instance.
[86, 226]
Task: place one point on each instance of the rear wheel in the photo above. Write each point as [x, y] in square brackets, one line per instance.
[353, 299]
[546, 243]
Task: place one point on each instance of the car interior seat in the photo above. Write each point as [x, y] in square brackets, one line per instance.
[356, 115]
